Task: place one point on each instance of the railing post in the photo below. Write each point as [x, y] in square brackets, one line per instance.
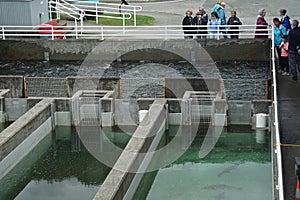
[57, 9]
[102, 33]
[76, 29]
[3, 33]
[52, 33]
[96, 6]
[134, 15]
[123, 23]
[50, 10]
[166, 33]
[81, 25]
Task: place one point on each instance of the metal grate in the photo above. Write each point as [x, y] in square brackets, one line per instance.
[89, 111]
[45, 87]
[202, 108]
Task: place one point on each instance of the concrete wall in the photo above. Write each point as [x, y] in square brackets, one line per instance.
[176, 87]
[119, 179]
[25, 125]
[109, 50]
[14, 83]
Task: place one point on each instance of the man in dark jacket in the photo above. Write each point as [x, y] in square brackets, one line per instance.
[187, 24]
[201, 18]
[294, 46]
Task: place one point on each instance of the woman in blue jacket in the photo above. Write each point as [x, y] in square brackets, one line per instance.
[279, 31]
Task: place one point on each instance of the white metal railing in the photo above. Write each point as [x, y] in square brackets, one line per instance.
[98, 7]
[126, 32]
[66, 8]
[279, 186]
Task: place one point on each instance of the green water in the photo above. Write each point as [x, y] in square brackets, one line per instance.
[59, 167]
[237, 168]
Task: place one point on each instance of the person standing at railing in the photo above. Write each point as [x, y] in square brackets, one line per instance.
[294, 49]
[235, 22]
[261, 25]
[201, 19]
[187, 24]
[214, 24]
[285, 19]
[284, 46]
[222, 16]
[278, 31]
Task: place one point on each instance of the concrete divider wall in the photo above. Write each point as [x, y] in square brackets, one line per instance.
[242, 49]
[14, 83]
[176, 87]
[13, 135]
[118, 181]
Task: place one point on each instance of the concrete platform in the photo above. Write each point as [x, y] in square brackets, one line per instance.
[289, 110]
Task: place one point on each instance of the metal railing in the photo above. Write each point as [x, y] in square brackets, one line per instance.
[66, 8]
[277, 146]
[111, 8]
[125, 32]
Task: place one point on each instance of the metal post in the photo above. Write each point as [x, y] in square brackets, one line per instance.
[134, 15]
[166, 33]
[50, 10]
[3, 33]
[52, 33]
[57, 9]
[123, 23]
[102, 34]
[76, 29]
[81, 24]
[96, 6]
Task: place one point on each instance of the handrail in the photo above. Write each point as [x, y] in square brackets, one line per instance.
[276, 124]
[104, 32]
[81, 12]
[104, 7]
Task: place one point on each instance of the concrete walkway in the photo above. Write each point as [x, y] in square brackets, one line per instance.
[289, 120]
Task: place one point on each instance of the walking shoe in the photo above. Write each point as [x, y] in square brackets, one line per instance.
[295, 78]
[285, 74]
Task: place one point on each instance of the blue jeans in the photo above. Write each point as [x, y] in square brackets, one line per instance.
[294, 62]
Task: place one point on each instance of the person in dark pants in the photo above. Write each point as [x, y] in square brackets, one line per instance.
[201, 18]
[234, 30]
[187, 21]
[294, 47]
[278, 31]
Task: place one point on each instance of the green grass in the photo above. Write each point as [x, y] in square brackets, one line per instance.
[141, 20]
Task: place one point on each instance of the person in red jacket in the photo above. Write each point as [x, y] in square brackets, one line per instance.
[261, 25]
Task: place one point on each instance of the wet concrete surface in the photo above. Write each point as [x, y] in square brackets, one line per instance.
[289, 121]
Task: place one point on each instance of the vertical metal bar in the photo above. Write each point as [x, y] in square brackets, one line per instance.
[102, 33]
[166, 33]
[97, 20]
[52, 33]
[123, 23]
[134, 15]
[3, 33]
[50, 10]
[81, 24]
[76, 29]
